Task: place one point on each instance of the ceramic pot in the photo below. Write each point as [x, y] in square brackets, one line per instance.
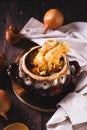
[50, 85]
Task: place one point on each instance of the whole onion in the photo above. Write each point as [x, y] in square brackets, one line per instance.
[12, 35]
[5, 103]
[2, 61]
[53, 19]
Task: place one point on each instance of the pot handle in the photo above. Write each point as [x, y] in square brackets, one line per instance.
[74, 68]
[12, 70]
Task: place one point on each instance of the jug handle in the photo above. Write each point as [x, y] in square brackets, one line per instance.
[74, 68]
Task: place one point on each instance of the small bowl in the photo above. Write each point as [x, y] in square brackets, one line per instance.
[16, 126]
[50, 85]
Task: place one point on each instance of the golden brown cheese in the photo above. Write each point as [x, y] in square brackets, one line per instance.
[49, 57]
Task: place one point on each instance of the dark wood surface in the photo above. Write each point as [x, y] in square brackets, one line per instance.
[18, 12]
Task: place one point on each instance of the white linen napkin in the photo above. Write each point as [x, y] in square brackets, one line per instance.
[71, 111]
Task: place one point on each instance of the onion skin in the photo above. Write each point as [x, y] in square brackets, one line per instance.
[53, 19]
[12, 35]
[5, 103]
[2, 61]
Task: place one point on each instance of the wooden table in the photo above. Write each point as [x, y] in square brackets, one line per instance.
[18, 12]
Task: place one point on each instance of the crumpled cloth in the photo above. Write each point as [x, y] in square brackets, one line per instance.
[71, 111]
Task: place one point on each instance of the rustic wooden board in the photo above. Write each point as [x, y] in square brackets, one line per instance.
[42, 104]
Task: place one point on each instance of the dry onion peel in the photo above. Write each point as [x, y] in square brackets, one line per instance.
[5, 103]
[2, 61]
[53, 19]
[12, 35]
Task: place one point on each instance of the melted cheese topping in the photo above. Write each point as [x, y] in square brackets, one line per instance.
[49, 58]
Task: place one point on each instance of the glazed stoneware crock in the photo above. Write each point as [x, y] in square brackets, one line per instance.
[50, 85]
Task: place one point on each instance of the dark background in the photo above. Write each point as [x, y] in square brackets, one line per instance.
[18, 12]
